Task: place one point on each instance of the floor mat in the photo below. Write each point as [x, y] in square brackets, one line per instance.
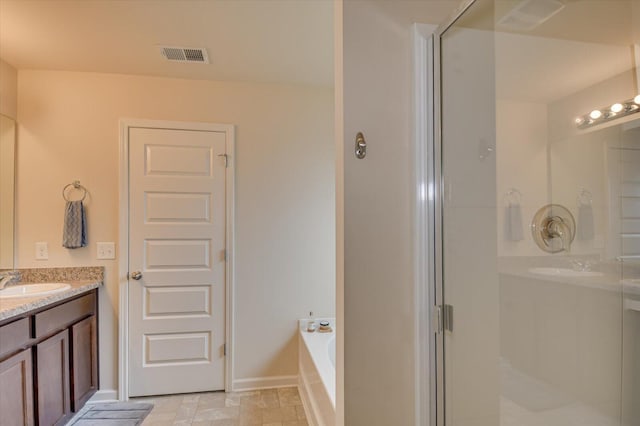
[113, 414]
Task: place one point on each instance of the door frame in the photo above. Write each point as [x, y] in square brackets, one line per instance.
[437, 377]
[429, 237]
[424, 209]
[123, 244]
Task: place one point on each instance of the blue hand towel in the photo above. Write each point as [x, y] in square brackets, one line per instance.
[74, 234]
[586, 229]
[513, 223]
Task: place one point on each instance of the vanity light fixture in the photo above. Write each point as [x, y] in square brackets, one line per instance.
[595, 114]
[604, 115]
[617, 108]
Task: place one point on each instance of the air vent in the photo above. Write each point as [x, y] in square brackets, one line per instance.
[530, 13]
[185, 54]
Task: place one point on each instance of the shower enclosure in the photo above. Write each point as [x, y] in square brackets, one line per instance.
[537, 214]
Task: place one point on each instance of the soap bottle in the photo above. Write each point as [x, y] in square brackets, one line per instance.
[311, 324]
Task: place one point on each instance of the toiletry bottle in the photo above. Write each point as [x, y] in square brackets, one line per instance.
[311, 324]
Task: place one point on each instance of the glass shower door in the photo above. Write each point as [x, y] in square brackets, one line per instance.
[540, 213]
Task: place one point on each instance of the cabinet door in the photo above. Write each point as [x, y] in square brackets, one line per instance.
[16, 390]
[84, 361]
[52, 380]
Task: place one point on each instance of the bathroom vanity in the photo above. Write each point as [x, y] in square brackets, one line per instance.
[48, 355]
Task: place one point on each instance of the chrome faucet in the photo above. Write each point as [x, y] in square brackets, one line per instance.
[581, 265]
[556, 227]
[8, 277]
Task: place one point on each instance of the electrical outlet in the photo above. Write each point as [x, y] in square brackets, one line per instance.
[106, 250]
[42, 251]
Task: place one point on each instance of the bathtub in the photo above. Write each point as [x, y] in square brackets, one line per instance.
[317, 374]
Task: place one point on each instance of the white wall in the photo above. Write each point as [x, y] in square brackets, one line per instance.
[379, 372]
[338, 19]
[8, 89]
[285, 246]
[378, 312]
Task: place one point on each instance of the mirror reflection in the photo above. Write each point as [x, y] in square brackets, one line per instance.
[7, 191]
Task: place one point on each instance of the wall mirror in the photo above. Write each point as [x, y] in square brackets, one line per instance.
[7, 191]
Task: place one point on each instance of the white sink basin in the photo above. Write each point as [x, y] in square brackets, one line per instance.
[564, 272]
[32, 290]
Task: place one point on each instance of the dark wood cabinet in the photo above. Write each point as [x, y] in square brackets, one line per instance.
[52, 380]
[16, 390]
[49, 362]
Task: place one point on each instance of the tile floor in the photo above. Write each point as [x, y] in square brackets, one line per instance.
[270, 407]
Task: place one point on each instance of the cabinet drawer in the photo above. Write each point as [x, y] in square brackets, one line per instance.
[14, 336]
[64, 315]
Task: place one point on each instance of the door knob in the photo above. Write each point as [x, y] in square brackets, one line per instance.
[136, 275]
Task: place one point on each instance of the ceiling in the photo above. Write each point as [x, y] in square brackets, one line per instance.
[539, 69]
[291, 41]
[586, 43]
[276, 41]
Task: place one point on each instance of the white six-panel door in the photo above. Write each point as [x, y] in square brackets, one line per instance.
[177, 244]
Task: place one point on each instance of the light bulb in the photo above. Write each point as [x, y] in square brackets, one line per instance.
[637, 99]
[579, 120]
[617, 108]
[595, 114]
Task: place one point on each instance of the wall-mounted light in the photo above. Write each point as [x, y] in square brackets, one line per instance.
[604, 115]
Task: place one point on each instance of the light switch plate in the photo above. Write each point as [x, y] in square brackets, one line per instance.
[106, 250]
[42, 251]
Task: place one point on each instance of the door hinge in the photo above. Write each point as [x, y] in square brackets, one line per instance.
[224, 255]
[447, 317]
[443, 318]
[437, 319]
[224, 349]
[226, 159]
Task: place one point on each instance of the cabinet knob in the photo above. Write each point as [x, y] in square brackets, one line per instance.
[136, 275]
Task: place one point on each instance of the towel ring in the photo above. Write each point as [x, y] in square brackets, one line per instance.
[75, 185]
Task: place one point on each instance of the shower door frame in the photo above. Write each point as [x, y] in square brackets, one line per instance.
[435, 215]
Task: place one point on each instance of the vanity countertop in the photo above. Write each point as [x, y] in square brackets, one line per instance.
[81, 279]
[609, 276]
[17, 306]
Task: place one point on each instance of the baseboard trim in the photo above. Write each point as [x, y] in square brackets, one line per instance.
[257, 383]
[104, 395]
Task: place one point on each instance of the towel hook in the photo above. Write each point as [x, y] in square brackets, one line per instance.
[76, 185]
[585, 198]
[513, 196]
